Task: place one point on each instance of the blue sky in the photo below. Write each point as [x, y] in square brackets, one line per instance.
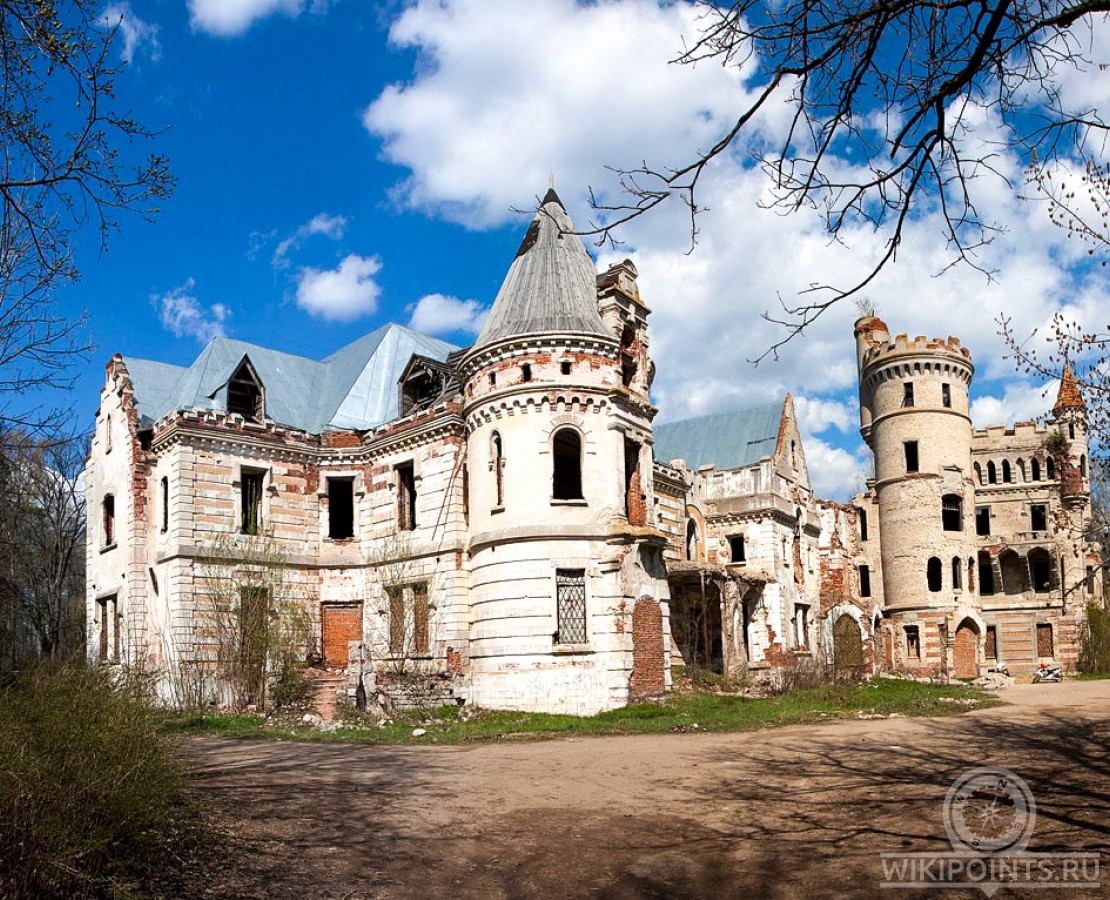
[342, 164]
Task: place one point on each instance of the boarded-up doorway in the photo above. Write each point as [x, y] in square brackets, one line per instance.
[965, 651]
[340, 623]
[847, 645]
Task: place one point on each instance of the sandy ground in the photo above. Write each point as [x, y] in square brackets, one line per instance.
[794, 812]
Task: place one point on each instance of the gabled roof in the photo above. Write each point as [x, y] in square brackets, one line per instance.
[551, 286]
[729, 440]
[355, 387]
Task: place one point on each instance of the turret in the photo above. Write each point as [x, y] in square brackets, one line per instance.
[1071, 457]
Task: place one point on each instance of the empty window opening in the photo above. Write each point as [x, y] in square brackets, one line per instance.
[957, 573]
[1021, 470]
[406, 497]
[1071, 431]
[978, 472]
[244, 393]
[986, 575]
[165, 504]
[108, 519]
[982, 520]
[863, 524]
[865, 581]
[1090, 580]
[1035, 469]
[990, 642]
[526, 372]
[341, 508]
[107, 434]
[566, 476]
[1014, 573]
[497, 464]
[736, 548]
[992, 473]
[1050, 467]
[952, 512]
[635, 501]
[1045, 645]
[1083, 466]
[493, 379]
[1038, 517]
[1006, 474]
[933, 574]
[946, 396]
[250, 501]
[693, 550]
[629, 362]
[907, 394]
[801, 625]
[108, 610]
[911, 456]
[564, 367]
[971, 573]
[1040, 568]
[570, 605]
[913, 642]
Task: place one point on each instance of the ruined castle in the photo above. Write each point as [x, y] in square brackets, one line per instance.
[504, 524]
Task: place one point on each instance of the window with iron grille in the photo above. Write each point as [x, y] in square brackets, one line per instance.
[570, 602]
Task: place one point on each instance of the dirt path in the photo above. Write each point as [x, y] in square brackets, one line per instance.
[794, 812]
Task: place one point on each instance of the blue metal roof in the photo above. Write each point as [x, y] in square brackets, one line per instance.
[729, 440]
[355, 387]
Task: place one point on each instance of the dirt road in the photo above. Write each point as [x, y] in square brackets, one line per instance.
[794, 812]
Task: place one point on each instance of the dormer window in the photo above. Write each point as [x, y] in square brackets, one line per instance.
[244, 393]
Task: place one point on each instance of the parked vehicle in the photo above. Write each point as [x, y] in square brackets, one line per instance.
[1047, 674]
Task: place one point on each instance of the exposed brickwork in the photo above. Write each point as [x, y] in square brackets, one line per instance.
[965, 652]
[648, 676]
[339, 625]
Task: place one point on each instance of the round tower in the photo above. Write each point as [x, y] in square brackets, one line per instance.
[919, 429]
[1072, 455]
[559, 473]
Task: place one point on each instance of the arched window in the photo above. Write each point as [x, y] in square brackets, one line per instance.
[992, 473]
[497, 463]
[1050, 466]
[1083, 466]
[108, 519]
[1021, 469]
[692, 550]
[933, 574]
[978, 473]
[971, 573]
[1035, 469]
[952, 512]
[566, 475]
[957, 573]
[1006, 478]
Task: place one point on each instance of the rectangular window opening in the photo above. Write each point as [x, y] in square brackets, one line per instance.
[913, 642]
[946, 396]
[570, 604]
[952, 513]
[736, 548]
[982, 520]
[990, 643]
[1038, 517]
[526, 372]
[865, 581]
[1045, 646]
[108, 649]
[911, 456]
[635, 502]
[907, 394]
[406, 497]
[564, 367]
[250, 496]
[341, 508]
[165, 504]
[863, 524]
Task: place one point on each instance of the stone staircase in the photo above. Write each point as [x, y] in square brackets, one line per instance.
[329, 686]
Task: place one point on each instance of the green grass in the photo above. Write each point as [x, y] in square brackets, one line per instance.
[693, 712]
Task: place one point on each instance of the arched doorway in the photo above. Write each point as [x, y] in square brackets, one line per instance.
[965, 652]
[847, 644]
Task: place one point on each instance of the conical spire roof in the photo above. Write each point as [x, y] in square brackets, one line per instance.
[1068, 396]
[551, 286]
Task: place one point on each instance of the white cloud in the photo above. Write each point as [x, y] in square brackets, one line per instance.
[181, 313]
[332, 227]
[343, 293]
[1020, 402]
[133, 31]
[227, 18]
[835, 473]
[440, 314]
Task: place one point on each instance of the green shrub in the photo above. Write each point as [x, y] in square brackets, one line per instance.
[91, 798]
[1094, 651]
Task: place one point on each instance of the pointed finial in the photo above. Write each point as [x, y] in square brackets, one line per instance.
[551, 180]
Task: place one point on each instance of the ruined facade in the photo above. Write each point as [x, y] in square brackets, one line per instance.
[503, 525]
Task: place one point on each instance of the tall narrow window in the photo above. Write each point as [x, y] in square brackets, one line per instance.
[108, 648]
[933, 574]
[1045, 645]
[907, 394]
[1071, 431]
[946, 396]
[863, 524]
[736, 548]
[1035, 469]
[635, 506]
[990, 642]
[913, 642]
[254, 639]
[911, 456]
[396, 597]
[244, 393]
[971, 573]
[992, 473]
[1040, 569]
[108, 519]
[526, 372]
[250, 496]
[1083, 465]
[865, 581]
[107, 434]
[982, 520]
[497, 464]
[693, 550]
[165, 504]
[566, 476]
[1007, 476]
[420, 618]
[1038, 517]
[952, 512]
[957, 573]
[1050, 466]
[570, 603]
[986, 575]
[341, 508]
[406, 497]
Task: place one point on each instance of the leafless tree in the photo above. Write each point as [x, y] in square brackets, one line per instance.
[884, 94]
[66, 164]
